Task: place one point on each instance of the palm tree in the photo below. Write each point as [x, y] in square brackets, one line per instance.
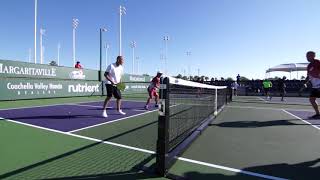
[53, 63]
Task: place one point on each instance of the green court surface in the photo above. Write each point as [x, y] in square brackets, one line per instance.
[248, 140]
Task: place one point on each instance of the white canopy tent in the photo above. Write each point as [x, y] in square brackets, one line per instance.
[292, 67]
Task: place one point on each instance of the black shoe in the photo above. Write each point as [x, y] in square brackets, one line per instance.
[316, 116]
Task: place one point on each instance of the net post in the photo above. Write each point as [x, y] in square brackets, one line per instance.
[163, 127]
[215, 102]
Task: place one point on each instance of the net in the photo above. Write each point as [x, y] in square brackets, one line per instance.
[186, 109]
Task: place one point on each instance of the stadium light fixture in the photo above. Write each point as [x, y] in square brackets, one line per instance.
[58, 57]
[166, 39]
[122, 11]
[75, 23]
[35, 29]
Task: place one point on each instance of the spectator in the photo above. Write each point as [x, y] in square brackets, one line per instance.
[234, 87]
[78, 65]
[282, 87]
[238, 79]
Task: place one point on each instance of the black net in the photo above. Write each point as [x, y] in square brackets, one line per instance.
[187, 108]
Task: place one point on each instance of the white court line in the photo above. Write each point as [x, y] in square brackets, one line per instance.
[269, 108]
[262, 99]
[301, 119]
[112, 121]
[84, 105]
[109, 107]
[231, 169]
[82, 137]
[287, 100]
[67, 103]
[48, 105]
[151, 152]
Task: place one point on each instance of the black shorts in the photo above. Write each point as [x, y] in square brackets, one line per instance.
[282, 90]
[113, 90]
[315, 93]
[266, 90]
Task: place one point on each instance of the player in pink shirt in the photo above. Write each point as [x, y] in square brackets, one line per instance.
[152, 90]
[313, 76]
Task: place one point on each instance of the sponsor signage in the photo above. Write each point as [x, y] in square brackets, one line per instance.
[136, 78]
[18, 88]
[30, 70]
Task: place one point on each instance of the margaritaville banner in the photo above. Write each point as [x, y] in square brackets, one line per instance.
[30, 70]
[22, 88]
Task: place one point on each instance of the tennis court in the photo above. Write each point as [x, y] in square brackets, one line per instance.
[66, 138]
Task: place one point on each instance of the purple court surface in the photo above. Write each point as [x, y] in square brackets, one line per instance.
[70, 117]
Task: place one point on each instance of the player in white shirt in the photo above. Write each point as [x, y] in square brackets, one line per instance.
[113, 76]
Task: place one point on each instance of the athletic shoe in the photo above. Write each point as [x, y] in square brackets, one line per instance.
[146, 107]
[104, 113]
[121, 112]
[316, 116]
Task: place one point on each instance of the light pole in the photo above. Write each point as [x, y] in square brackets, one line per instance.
[122, 11]
[75, 23]
[133, 45]
[162, 60]
[35, 30]
[29, 55]
[100, 64]
[59, 46]
[188, 53]
[138, 64]
[42, 31]
[107, 46]
[166, 39]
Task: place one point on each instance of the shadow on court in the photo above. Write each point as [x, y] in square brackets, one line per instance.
[257, 124]
[304, 170]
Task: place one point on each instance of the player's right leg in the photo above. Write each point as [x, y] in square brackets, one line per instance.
[106, 101]
[146, 107]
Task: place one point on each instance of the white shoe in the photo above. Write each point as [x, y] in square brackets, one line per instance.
[104, 114]
[121, 112]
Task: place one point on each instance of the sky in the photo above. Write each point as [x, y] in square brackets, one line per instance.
[225, 37]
